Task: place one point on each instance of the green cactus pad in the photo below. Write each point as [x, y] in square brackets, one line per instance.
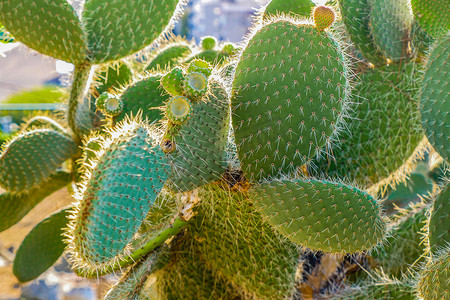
[200, 142]
[384, 288]
[146, 95]
[385, 113]
[420, 39]
[322, 215]
[42, 122]
[403, 249]
[41, 247]
[438, 224]
[32, 157]
[234, 241]
[87, 118]
[289, 92]
[187, 276]
[115, 29]
[173, 81]
[110, 77]
[16, 205]
[300, 7]
[434, 282]
[208, 42]
[356, 17]
[435, 98]
[390, 25]
[198, 65]
[117, 195]
[212, 56]
[48, 26]
[433, 15]
[169, 57]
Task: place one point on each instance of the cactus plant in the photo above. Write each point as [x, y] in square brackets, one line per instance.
[213, 171]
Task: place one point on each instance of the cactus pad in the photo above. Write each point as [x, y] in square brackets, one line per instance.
[435, 98]
[178, 109]
[41, 247]
[378, 120]
[289, 93]
[356, 17]
[16, 205]
[438, 224]
[300, 7]
[48, 26]
[115, 30]
[227, 229]
[390, 24]
[173, 81]
[32, 157]
[169, 57]
[116, 197]
[200, 142]
[145, 95]
[434, 279]
[432, 15]
[322, 215]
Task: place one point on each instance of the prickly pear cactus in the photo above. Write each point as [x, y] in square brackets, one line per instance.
[225, 172]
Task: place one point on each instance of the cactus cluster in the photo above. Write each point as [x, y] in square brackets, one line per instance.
[215, 171]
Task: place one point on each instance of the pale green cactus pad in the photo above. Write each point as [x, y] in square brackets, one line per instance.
[434, 281]
[48, 26]
[200, 142]
[289, 95]
[299, 7]
[385, 113]
[169, 56]
[116, 29]
[390, 25]
[32, 157]
[41, 247]
[16, 205]
[228, 228]
[322, 215]
[438, 224]
[115, 198]
[435, 98]
[356, 17]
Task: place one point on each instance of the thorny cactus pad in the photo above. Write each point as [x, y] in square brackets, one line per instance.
[289, 97]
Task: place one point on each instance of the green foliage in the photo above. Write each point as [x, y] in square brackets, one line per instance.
[298, 7]
[41, 247]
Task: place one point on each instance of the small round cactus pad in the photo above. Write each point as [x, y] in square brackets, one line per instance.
[288, 96]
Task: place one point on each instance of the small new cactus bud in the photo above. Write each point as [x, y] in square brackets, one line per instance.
[324, 17]
[101, 100]
[229, 49]
[198, 65]
[113, 106]
[195, 85]
[173, 81]
[208, 43]
[178, 109]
